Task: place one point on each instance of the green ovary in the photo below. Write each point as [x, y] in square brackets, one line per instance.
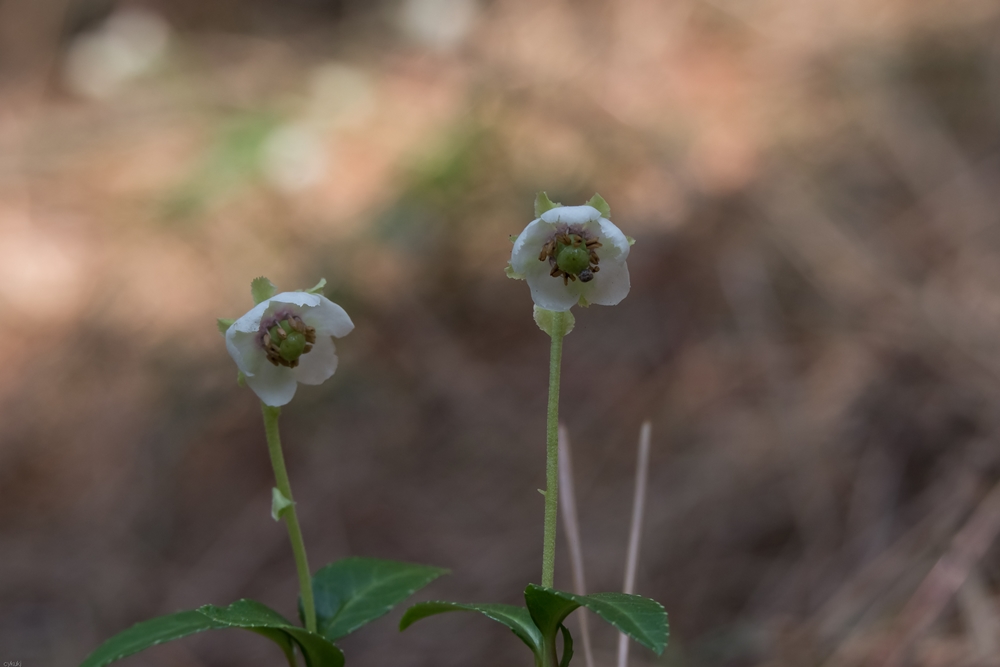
[292, 347]
[573, 259]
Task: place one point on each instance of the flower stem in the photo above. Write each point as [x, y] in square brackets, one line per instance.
[557, 333]
[291, 518]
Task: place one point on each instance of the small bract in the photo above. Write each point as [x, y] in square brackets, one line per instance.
[287, 339]
[572, 255]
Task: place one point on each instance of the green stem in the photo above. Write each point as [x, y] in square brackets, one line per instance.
[552, 451]
[291, 518]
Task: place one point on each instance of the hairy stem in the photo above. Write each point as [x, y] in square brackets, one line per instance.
[291, 518]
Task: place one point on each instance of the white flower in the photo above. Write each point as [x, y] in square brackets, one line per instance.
[285, 340]
[571, 255]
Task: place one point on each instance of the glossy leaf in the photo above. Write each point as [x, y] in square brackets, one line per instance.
[640, 618]
[515, 618]
[253, 615]
[245, 614]
[567, 653]
[354, 591]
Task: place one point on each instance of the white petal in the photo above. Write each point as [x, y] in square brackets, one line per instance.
[571, 215]
[275, 385]
[251, 321]
[615, 243]
[316, 366]
[328, 319]
[298, 298]
[245, 350]
[524, 255]
[550, 293]
[609, 286]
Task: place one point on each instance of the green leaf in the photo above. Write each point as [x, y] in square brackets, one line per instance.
[279, 503]
[354, 591]
[567, 653]
[224, 323]
[246, 614]
[640, 618]
[318, 287]
[545, 319]
[515, 618]
[543, 204]
[262, 289]
[597, 201]
[149, 633]
[254, 616]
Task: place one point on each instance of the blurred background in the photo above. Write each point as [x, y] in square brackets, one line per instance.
[813, 327]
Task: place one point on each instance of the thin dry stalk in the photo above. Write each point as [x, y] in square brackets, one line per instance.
[567, 496]
[635, 531]
[945, 579]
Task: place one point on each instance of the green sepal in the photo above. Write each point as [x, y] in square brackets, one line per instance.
[545, 319]
[224, 323]
[317, 288]
[513, 238]
[241, 378]
[631, 241]
[352, 592]
[516, 618]
[511, 273]
[597, 201]
[279, 503]
[262, 289]
[247, 614]
[640, 618]
[583, 303]
[543, 204]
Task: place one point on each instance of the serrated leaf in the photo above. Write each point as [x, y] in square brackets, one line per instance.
[279, 503]
[597, 201]
[245, 614]
[543, 204]
[252, 615]
[224, 323]
[354, 591]
[262, 289]
[547, 320]
[318, 287]
[640, 618]
[516, 618]
[149, 633]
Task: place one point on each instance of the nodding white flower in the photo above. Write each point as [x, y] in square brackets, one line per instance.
[287, 339]
[572, 255]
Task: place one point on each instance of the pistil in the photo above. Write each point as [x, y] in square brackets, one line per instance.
[572, 254]
[285, 338]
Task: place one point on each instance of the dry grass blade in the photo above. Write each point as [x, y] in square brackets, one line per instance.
[572, 527]
[944, 580]
[635, 531]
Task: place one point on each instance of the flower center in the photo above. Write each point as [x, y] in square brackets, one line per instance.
[572, 254]
[285, 338]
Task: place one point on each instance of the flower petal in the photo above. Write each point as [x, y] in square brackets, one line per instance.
[274, 385]
[615, 242]
[524, 255]
[609, 286]
[245, 350]
[316, 366]
[550, 293]
[571, 215]
[328, 319]
[298, 298]
[251, 321]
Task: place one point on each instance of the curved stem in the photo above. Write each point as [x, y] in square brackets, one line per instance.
[552, 451]
[291, 518]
